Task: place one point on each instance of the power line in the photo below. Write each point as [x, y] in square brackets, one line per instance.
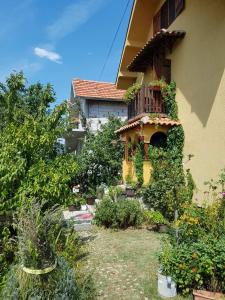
[113, 41]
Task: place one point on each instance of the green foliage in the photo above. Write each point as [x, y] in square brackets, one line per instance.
[70, 246]
[37, 235]
[129, 213]
[198, 265]
[168, 189]
[50, 179]
[138, 162]
[106, 213]
[131, 92]
[195, 258]
[169, 94]
[196, 221]
[32, 163]
[8, 247]
[155, 218]
[115, 192]
[170, 186]
[118, 214]
[58, 284]
[100, 161]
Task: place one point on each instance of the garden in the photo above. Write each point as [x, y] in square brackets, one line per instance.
[145, 244]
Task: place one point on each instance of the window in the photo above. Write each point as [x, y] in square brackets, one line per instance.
[167, 14]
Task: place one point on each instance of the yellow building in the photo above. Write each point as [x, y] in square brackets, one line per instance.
[183, 41]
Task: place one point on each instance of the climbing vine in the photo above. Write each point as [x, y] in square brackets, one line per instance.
[131, 92]
[170, 185]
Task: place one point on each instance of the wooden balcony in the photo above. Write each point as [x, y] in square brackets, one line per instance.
[147, 100]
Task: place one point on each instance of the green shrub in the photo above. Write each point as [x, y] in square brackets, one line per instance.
[129, 213]
[8, 248]
[155, 218]
[119, 214]
[38, 232]
[100, 161]
[198, 265]
[56, 285]
[168, 189]
[71, 247]
[196, 221]
[106, 213]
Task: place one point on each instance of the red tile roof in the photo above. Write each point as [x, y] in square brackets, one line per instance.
[95, 89]
[155, 121]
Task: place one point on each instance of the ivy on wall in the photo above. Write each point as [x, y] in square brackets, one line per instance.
[170, 185]
[131, 92]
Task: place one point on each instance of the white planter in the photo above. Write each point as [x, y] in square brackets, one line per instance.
[84, 207]
[166, 286]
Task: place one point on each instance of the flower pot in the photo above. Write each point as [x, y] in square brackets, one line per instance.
[206, 295]
[91, 201]
[130, 192]
[162, 228]
[166, 286]
[84, 207]
[73, 207]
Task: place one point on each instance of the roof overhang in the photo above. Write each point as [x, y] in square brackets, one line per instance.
[162, 40]
[161, 121]
[136, 37]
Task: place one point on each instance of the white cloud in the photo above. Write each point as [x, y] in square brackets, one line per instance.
[73, 16]
[43, 53]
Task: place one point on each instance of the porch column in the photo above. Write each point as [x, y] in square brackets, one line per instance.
[126, 151]
[146, 147]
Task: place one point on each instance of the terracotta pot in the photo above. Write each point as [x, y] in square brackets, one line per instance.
[206, 295]
[91, 201]
[130, 192]
[73, 207]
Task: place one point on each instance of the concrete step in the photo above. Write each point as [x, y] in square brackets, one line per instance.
[80, 221]
[83, 227]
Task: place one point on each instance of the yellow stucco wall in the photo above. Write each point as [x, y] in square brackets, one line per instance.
[128, 165]
[198, 68]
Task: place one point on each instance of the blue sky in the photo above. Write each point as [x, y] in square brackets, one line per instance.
[55, 41]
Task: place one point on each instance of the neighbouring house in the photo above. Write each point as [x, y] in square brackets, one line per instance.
[182, 41]
[91, 103]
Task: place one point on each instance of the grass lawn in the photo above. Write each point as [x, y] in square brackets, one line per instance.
[124, 264]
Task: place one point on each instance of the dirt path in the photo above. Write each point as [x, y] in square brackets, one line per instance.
[124, 264]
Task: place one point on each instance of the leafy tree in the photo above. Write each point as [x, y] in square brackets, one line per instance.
[30, 163]
[101, 157]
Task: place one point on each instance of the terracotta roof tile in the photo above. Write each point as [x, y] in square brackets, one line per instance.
[95, 89]
[155, 121]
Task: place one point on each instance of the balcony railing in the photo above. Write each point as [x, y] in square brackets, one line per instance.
[147, 100]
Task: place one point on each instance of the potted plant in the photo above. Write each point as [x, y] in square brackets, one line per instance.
[90, 196]
[166, 285]
[157, 220]
[73, 203]
[130, 187]
[206, 295]
[100, 191]
[76, 203]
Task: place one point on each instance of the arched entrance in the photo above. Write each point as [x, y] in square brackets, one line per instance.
[159, 140]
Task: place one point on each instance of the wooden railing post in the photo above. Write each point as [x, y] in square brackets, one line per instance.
[147, 100]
